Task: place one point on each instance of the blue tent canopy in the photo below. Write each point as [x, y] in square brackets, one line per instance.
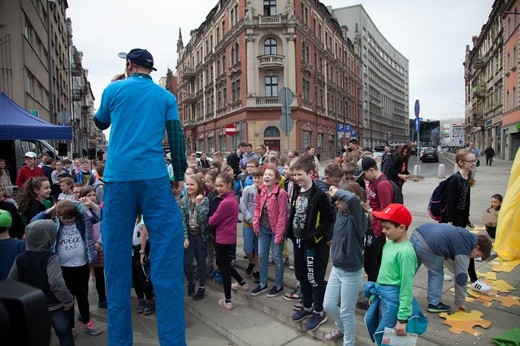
[17, 123]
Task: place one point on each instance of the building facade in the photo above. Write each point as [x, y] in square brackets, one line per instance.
[237, 61]
[510, 136]
[385, 80]
[484, 83]
[36, 62]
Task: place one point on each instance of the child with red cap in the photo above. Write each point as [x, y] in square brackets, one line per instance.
[392, 302]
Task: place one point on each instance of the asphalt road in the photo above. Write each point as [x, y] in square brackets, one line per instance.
[430, 169]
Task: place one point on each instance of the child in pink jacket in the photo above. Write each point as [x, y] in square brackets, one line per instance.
[269, 224]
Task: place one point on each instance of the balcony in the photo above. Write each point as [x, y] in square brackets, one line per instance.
[269, 20]
[190, 123]
[189, 73]
[271, 61]
[189, 98]
[479, 90]
[267, 102]
[479, 63]
[77, 94]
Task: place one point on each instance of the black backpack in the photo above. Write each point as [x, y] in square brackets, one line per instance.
[398, 193]
[437, 203]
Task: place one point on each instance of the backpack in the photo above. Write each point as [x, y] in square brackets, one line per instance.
[398, 193]
[437, 203]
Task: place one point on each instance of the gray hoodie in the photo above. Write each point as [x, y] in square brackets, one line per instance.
[39, 236]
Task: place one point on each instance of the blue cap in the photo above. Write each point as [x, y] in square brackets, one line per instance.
[139, 57]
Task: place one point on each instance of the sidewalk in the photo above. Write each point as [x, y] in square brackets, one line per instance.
[264, 321]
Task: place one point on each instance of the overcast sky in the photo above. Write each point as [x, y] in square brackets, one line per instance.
[432, 35]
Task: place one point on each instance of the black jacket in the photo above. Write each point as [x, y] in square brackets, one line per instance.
[320, 216]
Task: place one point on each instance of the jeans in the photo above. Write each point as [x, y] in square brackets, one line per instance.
[250, 240]
[266, 241]
[165, 230]
[197, 249]
[434, 263]
[343, 287]
[61, 322]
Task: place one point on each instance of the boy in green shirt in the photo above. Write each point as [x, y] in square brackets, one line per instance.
[395, 280]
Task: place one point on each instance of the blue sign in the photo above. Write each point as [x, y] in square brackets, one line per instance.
[417, 108]
[348, 128]
[417, 124]
[340, 128]
[354, 133]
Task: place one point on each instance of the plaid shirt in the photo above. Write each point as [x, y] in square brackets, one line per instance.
[177, 148]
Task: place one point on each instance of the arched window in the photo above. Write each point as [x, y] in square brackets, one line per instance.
[271, 131]
[270, 46]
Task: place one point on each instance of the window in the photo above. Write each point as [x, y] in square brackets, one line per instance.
[306, 92]
[211, 144]
[235, 53]
[271, 131]
[271, 86]
[270, 47]
[223, 142]
[200, 146]
[235, 90]
[306, 53]
[320, 141]
[269, 7]
[306, 138]
[234, 15]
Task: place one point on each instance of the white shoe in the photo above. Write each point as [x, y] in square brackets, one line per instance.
[480, 286]
[447, 277]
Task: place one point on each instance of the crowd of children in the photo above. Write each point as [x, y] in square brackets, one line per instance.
[354, 224]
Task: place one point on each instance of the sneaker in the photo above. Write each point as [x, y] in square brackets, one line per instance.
[275, 291]
[102, 304]
[316, 320]
[480, 286]
[218, 277]
[291, 267]
[256, 276]
[225, 305]
[141, 305]
[439, 307]
[294, 295]
[363, 305]
[150, 307]
[238, 287]
[300, 315]
[447, 277]
[258, 290]
[91, 328]
[333, 335]
[191, 289]
[199, 295]
[211, 274]
[250, 268]
[298, 306]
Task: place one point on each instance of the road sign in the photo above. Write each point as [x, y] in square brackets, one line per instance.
[354, 133]
[348, 128]
[231, 129]
[417, 124]
[417, 108]
[340, 128]
[285, 96]
[286, 123]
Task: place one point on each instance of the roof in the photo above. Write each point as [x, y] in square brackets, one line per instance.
[17, 123]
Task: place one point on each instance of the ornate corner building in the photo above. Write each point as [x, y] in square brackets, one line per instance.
[236, 62]
[492, 82]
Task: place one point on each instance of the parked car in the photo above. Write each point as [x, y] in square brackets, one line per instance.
[429, 154]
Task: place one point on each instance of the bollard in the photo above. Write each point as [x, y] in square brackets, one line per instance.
[417, 170]
[441, 173]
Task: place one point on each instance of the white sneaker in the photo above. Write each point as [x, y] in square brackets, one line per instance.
[447, 277]
[480, 286]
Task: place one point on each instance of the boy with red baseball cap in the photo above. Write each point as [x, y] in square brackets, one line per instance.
[395, 280]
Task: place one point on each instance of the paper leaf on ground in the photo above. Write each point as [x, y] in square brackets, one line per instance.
[504, 266]
[488, 275]
[463, 321]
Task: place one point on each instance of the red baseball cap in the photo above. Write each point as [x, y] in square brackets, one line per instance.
[395, 212]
